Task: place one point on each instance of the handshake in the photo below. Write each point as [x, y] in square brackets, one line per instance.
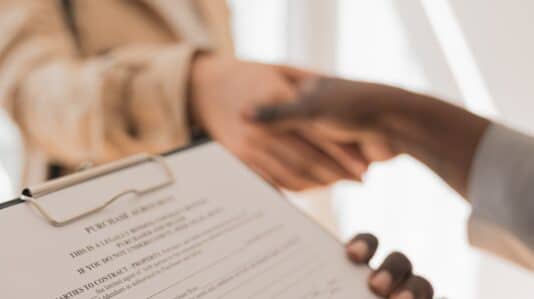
[300, 130]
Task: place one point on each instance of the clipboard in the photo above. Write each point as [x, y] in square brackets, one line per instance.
[224, 241]
[32, 194]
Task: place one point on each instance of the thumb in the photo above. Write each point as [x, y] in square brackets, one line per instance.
[303, 108]
[292, 114]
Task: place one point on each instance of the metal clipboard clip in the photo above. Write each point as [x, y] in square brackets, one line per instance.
[31, 195]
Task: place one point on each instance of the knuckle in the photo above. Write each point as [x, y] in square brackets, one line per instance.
[399, 258]
[368, 238]
[398, 265]
[420, 287]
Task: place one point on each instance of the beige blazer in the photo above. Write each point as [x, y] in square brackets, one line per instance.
[117, 87]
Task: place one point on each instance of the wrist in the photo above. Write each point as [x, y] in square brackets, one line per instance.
[401, 117]
[200, 63]
[442, 136]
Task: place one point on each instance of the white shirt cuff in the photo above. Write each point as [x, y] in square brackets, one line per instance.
[501, 185]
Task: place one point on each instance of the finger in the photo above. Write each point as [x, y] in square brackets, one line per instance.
[308, 160]
[263, 173]
[295, 75]
[362, 248]
[305, 106]
[378, 149]
[416, 287]
[354, 157]
[280, 172]
[349, 157]
[302, 107]
[280, 104]
[343, 134]
[395, 270]
[289, 114]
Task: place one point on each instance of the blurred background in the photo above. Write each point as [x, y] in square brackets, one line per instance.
[477, 53]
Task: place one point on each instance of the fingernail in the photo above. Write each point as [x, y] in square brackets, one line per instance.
[358, 250]
[360, 168]
[403, 295]
[381, 282]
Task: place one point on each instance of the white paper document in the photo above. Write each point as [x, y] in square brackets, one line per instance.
[218, 232]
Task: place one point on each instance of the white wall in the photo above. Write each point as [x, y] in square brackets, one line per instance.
[501, 37]
[312, 34]
[11, 158]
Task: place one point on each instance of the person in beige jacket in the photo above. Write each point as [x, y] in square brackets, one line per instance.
[93, 81]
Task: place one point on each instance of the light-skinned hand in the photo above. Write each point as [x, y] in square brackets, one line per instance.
[223, 86]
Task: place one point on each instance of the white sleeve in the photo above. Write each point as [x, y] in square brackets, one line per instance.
[501, 190]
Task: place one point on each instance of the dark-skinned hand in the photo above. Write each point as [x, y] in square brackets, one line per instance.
[394, 279]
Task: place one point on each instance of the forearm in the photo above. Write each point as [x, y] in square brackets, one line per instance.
[440, 135]
[490, 165]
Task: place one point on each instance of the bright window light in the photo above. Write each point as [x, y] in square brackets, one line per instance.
[373, 45]
[259, 29]
[459, 57]
[6, 190]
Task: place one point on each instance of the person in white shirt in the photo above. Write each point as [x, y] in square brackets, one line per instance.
[490, 165]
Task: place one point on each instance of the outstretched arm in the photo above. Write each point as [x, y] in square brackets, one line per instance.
[386, 121]
[490, 165]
